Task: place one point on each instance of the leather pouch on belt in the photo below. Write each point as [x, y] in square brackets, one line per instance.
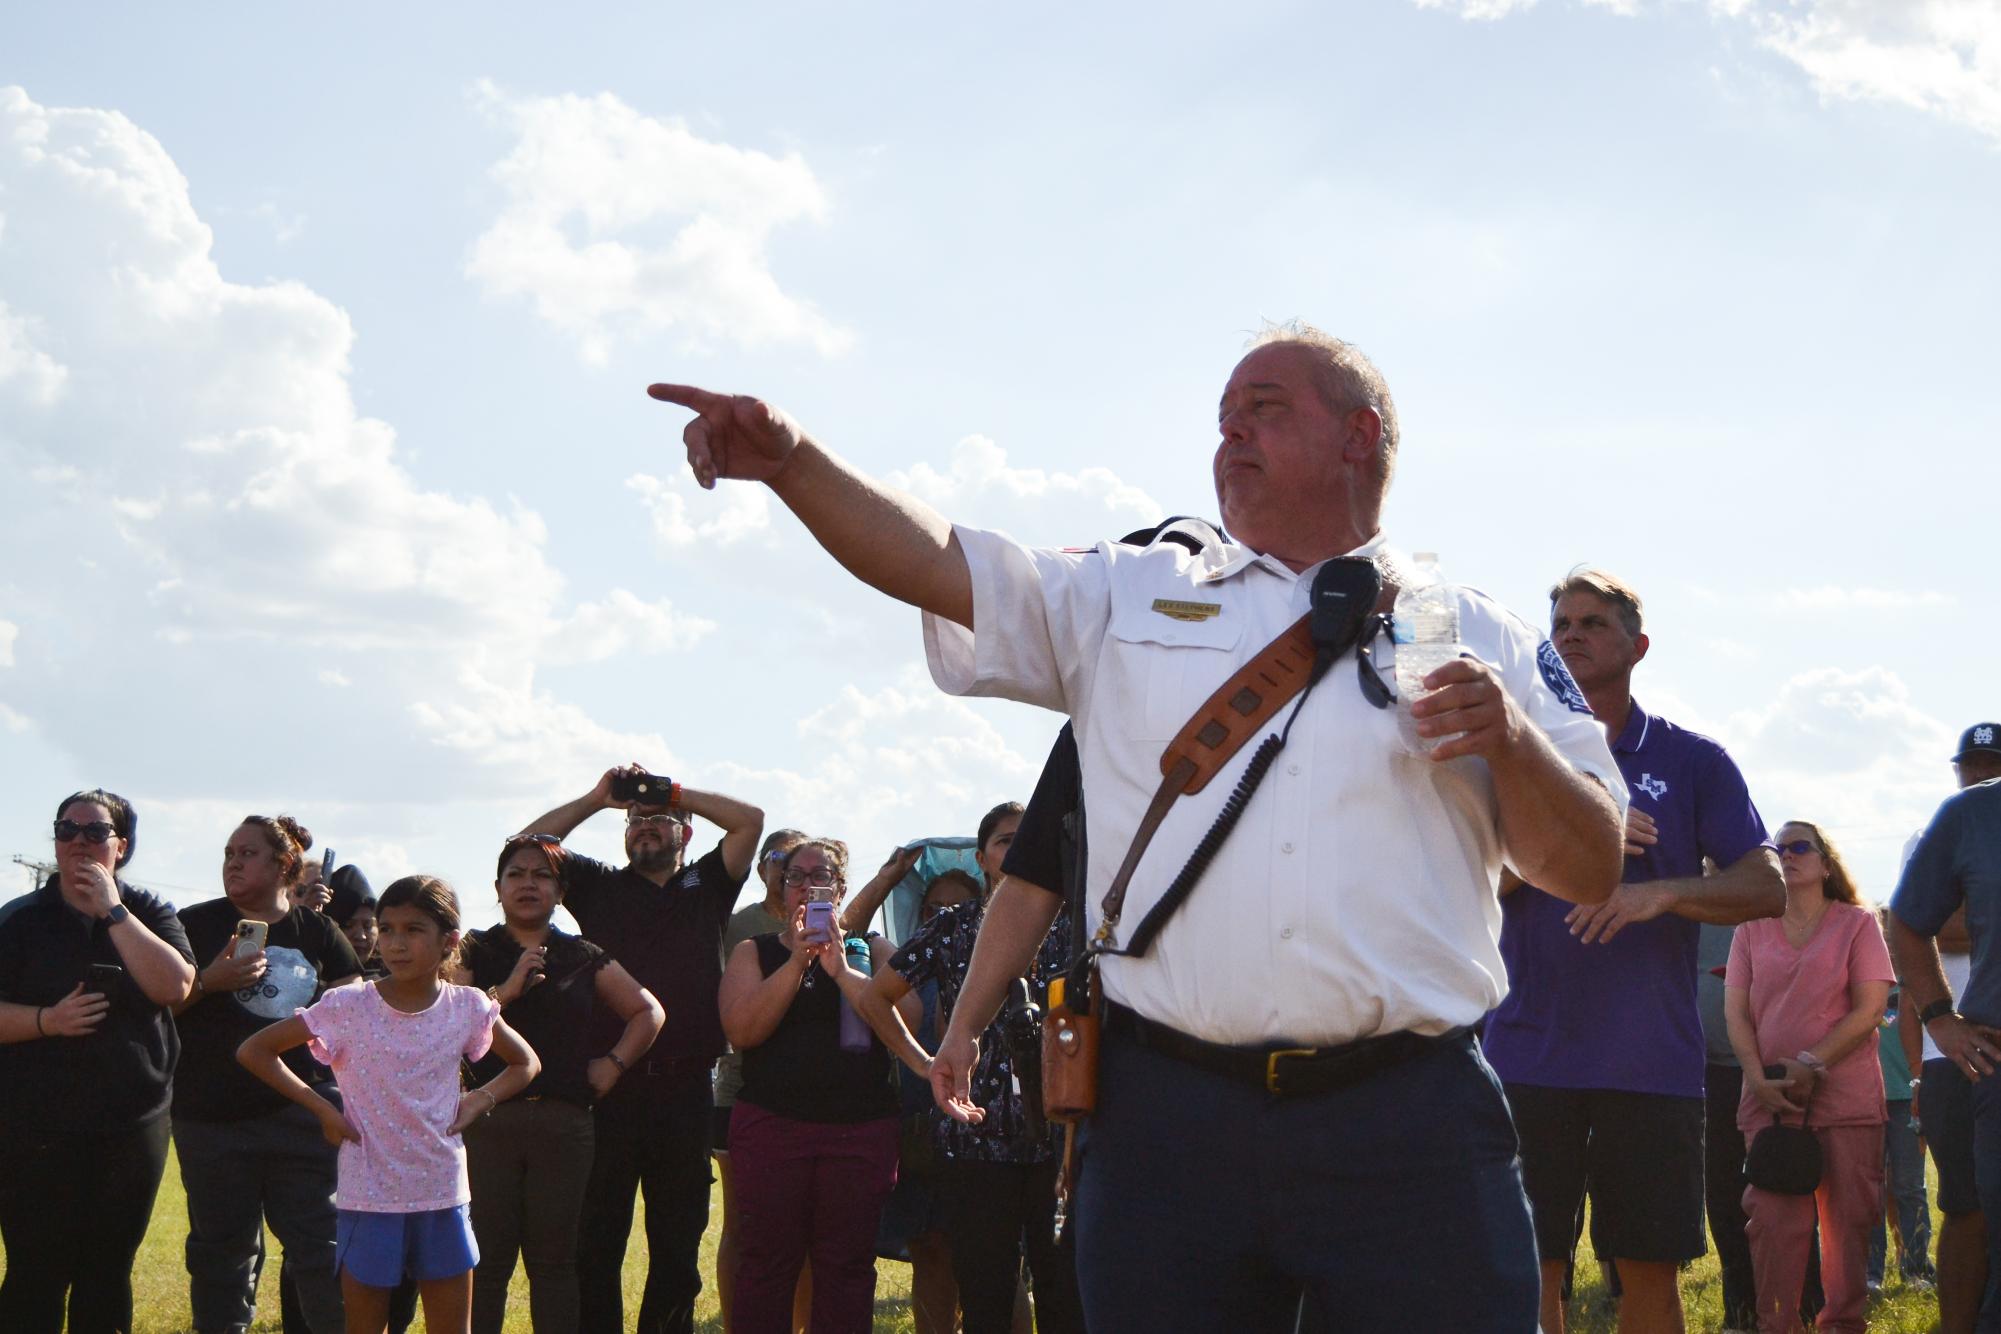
[1069, 1056]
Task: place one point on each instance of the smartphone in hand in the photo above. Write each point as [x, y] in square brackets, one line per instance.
[819, 921]
[103, 979]
[249, 939]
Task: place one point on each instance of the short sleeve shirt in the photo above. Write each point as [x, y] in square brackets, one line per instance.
[112, 1080]
[303, 951]
[1358, 888]
[1798, 996]
[399, 1084]
[940, 952]
[1622, 1014]
[553, 1016]
[669, 937]
[1958, 861]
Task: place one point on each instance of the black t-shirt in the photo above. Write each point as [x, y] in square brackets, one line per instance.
[553, 1016]
[116, 1078]
[303, 952]
[669, 937]
[1044, 848]
[801, 1070]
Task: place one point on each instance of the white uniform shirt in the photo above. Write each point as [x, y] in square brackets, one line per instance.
[1357, 894]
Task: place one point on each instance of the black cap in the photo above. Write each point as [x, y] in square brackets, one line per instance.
[1977, 738]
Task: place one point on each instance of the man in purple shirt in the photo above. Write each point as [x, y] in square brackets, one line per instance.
[1599, 1041]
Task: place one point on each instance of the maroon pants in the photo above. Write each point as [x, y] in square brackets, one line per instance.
[803, 1188]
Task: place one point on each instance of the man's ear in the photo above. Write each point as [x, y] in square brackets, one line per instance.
[1640, 643]
[1362, 435]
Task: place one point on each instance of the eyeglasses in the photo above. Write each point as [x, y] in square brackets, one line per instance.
[97, 831]
[638, 821]
[819, 877]
[546, 840]
[1799, 847]
[777, 854]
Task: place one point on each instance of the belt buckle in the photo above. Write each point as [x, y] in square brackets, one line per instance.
[1271, 1066]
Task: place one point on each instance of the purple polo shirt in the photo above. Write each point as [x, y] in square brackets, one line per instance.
[1623, 1015]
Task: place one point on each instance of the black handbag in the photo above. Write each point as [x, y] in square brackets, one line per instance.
[1783, 1159]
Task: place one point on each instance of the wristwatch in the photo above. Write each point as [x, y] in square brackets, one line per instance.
[117, 914]
[1811, 1062]
[1938, 1009]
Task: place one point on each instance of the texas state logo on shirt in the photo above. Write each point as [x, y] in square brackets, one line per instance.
[288, 983]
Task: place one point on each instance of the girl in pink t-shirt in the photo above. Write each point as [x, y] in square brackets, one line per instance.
[1802, 997]
[395, 1046]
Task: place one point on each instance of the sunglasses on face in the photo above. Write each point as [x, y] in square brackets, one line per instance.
[97, 831]
[641, 821]
[1799, 847]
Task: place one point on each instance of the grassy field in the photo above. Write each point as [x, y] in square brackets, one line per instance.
[161, 1289]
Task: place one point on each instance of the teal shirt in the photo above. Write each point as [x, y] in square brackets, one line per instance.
[1890, 1049]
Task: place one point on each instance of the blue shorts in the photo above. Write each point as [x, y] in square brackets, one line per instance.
[381, 1249]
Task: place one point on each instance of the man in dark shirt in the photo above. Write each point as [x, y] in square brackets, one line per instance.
[1957, 864]
[664, 922]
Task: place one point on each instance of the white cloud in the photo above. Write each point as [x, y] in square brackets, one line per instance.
[622, 623]
[241, 518]
[37, 376]
[1829, 597]
[730, 514]
[883, 760]
[9, 632]
[1942, 57]
[978, 483]
[1937, 56]
[1851, 752]
[618, 224]
[330, 676]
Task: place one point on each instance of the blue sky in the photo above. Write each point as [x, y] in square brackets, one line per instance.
[334, 489]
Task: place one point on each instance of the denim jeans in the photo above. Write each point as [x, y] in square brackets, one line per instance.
[1904, 1182]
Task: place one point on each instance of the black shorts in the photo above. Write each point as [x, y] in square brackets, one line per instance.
[1639, 1155]
[719, 1133]
[1945, 1114]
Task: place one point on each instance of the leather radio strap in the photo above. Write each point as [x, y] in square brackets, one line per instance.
[1240, 707]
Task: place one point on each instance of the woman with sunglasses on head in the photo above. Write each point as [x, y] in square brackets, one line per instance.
[1802, 998]
[814, 1134]
[530, 1158]
[250, 1158]
[89, 968]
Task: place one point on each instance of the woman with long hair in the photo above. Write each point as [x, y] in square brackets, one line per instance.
[1802, 997]
[248, 1157]
[89, 968]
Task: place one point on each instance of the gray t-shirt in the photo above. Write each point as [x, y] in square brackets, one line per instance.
[1712, 950]
[755, 920]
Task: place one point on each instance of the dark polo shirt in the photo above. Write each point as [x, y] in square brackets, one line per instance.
[113, 1079]
[1958, 860]
[1622, 1015]
[669, 937]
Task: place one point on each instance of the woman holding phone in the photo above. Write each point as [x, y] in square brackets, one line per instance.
[89, 967]
[530, 1158]
[813, 1136]
[248, 1156]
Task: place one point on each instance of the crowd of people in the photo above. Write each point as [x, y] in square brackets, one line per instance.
[1435, 973]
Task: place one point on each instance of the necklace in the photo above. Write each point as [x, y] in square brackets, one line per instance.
[1798, 928]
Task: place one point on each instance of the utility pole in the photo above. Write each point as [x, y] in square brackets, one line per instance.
[38, 872]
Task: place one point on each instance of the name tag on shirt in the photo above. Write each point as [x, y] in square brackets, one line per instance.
[1188, 611]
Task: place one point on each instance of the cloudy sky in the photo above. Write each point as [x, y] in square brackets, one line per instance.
[332, 487]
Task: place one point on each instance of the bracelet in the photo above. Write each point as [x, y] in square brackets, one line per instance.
[40, 1032]
[612, 1056]
[201, 989]
[1811, 1062]
[491, 1101]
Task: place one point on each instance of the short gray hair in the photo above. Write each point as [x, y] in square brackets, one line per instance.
[1346, 379]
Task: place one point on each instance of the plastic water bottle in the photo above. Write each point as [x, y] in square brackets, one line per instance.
[855, 1032]
[1426, 630]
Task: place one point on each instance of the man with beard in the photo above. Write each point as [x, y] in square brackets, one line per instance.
[663, 920]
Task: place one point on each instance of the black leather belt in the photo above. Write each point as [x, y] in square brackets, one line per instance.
[671, 1067]
[1283, 1072]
